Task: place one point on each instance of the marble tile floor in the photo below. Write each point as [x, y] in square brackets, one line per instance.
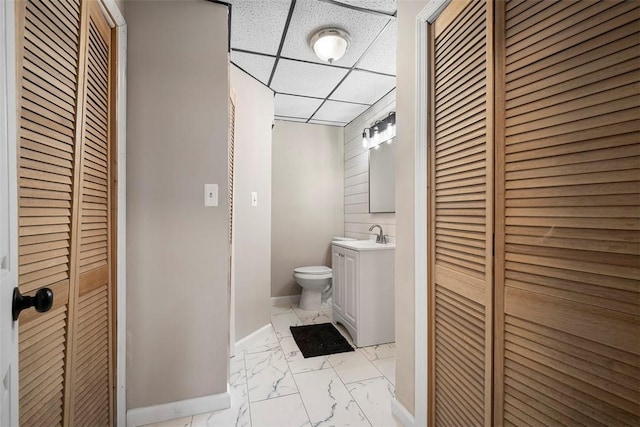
[273, 385]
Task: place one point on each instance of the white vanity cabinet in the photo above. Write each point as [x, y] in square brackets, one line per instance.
[337, 280]
[345, 284]
[363, 291]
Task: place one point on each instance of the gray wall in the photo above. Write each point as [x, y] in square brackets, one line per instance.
[357, 218]
[252, 225]
[405, 158]
[177, 254]
[308, 199]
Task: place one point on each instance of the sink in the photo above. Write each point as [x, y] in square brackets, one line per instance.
[365, 245]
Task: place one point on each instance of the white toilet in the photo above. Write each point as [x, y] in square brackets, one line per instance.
[315, 281]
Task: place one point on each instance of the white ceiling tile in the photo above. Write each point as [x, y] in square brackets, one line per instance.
[382, 55]
[342, 112]
[326, 123]
[386, 6]
[295, 106]
[290, 119]
[300, 78]
[258, 66]
[258, 25]
[312, 15]
[361, 86]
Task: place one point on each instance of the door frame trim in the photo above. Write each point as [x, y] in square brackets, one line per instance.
[427, 15]
[9, 137]
[116, 20]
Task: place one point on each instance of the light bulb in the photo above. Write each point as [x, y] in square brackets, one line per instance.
[391, 127]
[390, 131]
[376, 135]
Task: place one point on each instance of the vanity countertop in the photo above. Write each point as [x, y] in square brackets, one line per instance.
[364, 245]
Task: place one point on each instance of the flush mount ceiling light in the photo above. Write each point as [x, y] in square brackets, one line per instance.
[330, 44]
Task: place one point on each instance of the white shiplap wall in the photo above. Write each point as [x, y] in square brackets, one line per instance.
[357, 218]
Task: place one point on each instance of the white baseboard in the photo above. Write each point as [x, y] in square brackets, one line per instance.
[289, 299]
[251, 338]
[402, 414]
[183, 408]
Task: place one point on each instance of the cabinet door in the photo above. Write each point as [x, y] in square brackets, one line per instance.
[338, 281]
[350, 274]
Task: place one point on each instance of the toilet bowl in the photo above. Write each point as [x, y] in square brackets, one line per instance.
[315, 281]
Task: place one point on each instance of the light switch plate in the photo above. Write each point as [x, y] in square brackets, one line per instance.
[211, 194]
[254, 199]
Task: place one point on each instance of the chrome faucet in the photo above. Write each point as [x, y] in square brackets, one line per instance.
[380, 238]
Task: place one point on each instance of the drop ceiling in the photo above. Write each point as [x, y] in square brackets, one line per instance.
[270, 41]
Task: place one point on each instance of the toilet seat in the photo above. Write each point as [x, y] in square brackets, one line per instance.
[313, 270]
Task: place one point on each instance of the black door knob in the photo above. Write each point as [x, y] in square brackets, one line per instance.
[42, 301]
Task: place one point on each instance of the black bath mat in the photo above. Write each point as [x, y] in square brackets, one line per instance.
[319, 340]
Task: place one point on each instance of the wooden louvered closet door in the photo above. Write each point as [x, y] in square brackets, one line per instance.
[48, 40]
[461, 215]
[567, 218]
[66, 212]
[92, 363]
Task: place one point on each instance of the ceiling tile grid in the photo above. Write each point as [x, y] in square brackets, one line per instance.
[257, 25]
[290, 119]
[307, 89]
[367, 88]
[310, 16]
[339, 111]
[295, 106]
[301, 78]
[327, 123]
[258, 66]
[382, 55]
[385, 6]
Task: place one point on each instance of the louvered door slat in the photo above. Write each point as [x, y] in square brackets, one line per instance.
[49, 13]
[48, 82]
[92, 395]
[568, 228]
[461, 215]
[39, 43]
[52, 24]
[65, 22]
[36, 151]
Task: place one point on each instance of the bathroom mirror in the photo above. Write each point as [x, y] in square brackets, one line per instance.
[382, 178]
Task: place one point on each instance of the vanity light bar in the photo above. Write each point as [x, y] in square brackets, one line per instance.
[382, 131]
